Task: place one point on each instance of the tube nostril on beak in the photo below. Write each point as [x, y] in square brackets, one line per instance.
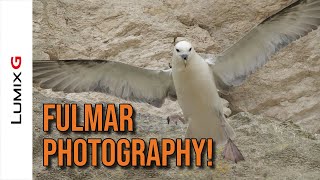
[184, 56]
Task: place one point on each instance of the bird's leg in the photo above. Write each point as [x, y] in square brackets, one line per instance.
[231, 152]
[175, 118]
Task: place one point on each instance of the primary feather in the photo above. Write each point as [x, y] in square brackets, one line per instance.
[119, 79]
[274, 33]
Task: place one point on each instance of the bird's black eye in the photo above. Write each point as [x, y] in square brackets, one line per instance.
[190, 49]
[177, 50]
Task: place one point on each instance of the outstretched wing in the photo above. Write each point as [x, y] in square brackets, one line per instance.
[254, 49]
[119, 79]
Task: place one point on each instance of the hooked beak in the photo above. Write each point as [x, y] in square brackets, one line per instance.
[185, 63]
[184, 57]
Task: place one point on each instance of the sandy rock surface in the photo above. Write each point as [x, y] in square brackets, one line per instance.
[282, 98]
[272, 149]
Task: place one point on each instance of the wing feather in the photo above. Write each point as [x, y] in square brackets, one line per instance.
[115, 78]
[254, 49]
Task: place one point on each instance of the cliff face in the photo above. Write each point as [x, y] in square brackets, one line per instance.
[141, 33]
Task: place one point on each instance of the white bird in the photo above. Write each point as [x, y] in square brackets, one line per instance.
[192, 80]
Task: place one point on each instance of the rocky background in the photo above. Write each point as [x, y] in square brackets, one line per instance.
[276, 113]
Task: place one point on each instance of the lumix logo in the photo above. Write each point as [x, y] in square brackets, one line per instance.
[17, 82]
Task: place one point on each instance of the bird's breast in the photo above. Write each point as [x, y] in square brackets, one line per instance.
[195, 88]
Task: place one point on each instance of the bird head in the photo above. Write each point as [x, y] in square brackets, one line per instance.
[183, 50]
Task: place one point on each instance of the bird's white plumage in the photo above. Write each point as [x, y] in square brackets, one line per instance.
[198, 96]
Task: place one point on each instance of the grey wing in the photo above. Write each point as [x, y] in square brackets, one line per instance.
[115, 78]
[255, 48]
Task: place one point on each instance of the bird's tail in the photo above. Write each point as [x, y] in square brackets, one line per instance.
[217, 129]
[220, 131]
